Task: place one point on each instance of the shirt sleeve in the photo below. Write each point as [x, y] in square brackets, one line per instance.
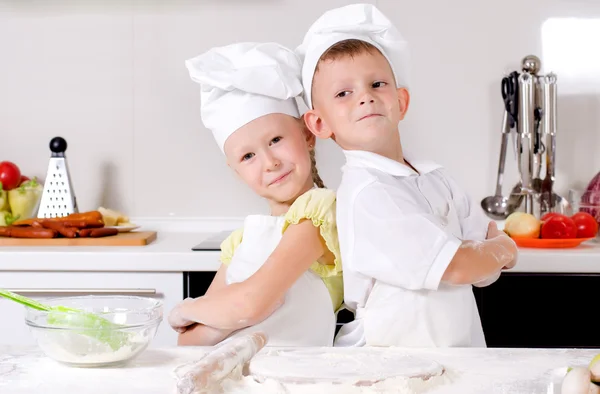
[318, 206]
[230, 244]
[473, 221]
[394, 243]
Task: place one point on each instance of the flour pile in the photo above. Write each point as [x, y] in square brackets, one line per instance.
[81, 350]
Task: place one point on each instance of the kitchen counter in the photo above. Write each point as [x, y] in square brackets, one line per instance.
[523, 297]
[172, 252]
[27, 370]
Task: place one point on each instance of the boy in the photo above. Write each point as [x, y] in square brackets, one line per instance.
[412, 243]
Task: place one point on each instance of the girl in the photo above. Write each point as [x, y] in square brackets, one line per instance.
[280, 273]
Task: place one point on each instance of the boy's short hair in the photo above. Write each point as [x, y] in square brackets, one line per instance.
[350, 48]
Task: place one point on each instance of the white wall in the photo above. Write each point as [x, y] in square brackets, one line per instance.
[109, 76]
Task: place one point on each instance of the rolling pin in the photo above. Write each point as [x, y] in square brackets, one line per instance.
[216, 365]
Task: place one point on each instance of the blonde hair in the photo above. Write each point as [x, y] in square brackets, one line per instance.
[315, 173]
[316, 178]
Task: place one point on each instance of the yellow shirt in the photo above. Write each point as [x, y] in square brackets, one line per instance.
[317, 205]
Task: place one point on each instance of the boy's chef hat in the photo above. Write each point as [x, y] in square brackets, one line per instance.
[244, 81]
[357, 21]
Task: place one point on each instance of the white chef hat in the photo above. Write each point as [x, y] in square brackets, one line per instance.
[356, 21]
[244, 81]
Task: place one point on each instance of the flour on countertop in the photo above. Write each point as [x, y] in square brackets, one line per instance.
[335, 371]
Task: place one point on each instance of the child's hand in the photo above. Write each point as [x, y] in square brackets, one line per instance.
[488, 281]
[201, 335]
[493, 232]
[510, 251]
[177, 319]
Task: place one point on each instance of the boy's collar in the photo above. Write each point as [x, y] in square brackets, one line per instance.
[359, 158]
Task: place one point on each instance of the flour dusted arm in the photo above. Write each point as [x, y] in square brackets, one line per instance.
[396, 244]
[197, 334]
[473, 222]
[476, 262]
[247, 303]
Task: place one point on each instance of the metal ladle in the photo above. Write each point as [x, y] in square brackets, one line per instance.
[496, 206]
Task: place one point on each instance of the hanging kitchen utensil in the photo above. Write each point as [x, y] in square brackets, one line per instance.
[530, 100]
[524, 141]
[532, 64]
[510, 96]
[496, 206]
[549, 198]
[58, 198]
[538, 150]
[526, 128]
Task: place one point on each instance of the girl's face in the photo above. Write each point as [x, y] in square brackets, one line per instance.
[272, 155]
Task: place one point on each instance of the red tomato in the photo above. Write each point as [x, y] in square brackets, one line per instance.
[559, 226]
[10, 175]
[587, 227]
[548, 216]
[24, 179]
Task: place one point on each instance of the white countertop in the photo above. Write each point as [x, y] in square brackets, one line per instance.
[584, 258]
[172, 252]
[27, 370]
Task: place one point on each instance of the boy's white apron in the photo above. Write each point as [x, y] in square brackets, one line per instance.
[425, 318]
[306, 318]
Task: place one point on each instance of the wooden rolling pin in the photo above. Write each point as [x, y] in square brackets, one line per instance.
[216, 365]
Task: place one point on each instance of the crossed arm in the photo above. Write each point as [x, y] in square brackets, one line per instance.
[226, 308]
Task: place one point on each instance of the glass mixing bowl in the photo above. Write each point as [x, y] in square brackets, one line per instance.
[131, 324]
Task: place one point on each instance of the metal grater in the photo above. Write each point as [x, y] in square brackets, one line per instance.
[58, 198]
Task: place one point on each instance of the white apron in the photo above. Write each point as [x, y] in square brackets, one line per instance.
[393, 316]
[306, 318]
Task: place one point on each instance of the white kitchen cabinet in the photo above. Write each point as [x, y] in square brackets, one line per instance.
[168, 287]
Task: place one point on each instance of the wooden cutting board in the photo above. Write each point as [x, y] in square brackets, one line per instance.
[134, 238]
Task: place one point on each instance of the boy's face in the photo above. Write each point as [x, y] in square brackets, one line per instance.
[356, 102]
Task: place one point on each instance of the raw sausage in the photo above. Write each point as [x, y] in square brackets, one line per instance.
[68, 232]
[91, 218]
[27, 232]
[103, 232]
[79, 223]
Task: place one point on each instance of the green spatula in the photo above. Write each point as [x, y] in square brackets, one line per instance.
[86, 323]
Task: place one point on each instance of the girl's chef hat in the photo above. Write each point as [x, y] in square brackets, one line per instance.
[357, 21]
[244, 81]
